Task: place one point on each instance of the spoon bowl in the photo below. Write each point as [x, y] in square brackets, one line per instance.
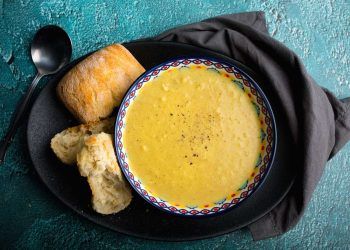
[51, 49]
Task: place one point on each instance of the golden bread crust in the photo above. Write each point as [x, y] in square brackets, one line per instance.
[96, 85]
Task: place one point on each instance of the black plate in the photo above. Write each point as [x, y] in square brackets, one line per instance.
[48, 117]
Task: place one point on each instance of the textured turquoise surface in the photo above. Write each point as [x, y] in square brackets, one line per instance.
[30, 216]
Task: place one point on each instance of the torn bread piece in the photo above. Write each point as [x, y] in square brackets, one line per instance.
[67, 144]
[97, 161]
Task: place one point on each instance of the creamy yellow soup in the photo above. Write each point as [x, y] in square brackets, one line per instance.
[192, 136]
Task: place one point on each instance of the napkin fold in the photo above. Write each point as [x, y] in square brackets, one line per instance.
[318, 121]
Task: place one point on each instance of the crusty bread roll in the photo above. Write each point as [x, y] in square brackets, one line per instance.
[97, 162]
[69, 142]
[96, 85]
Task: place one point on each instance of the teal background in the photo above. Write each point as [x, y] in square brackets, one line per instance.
[31, 217]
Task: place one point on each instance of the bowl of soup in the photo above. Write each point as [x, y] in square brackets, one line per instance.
[195, 136]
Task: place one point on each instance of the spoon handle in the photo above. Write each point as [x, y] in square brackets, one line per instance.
[17, 117]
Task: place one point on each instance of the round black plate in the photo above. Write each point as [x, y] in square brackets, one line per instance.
[48, 117]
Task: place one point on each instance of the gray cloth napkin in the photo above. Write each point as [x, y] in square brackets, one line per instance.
[318, 121]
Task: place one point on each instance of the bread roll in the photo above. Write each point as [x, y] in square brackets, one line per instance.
[69, 142]
[96, 85]
[97, 161]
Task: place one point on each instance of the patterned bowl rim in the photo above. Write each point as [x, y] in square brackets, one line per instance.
[255, 86]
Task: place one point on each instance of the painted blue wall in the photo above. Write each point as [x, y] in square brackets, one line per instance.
[318, 31]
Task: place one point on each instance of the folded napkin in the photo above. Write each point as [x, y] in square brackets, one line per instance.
[318, 121]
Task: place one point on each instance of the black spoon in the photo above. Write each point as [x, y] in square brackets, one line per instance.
[51, 49]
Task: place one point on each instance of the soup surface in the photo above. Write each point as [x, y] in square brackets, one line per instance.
[192, 136]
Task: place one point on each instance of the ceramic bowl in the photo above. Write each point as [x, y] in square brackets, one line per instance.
[268, 136]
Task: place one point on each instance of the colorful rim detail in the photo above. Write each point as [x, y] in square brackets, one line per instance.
[268, 136]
